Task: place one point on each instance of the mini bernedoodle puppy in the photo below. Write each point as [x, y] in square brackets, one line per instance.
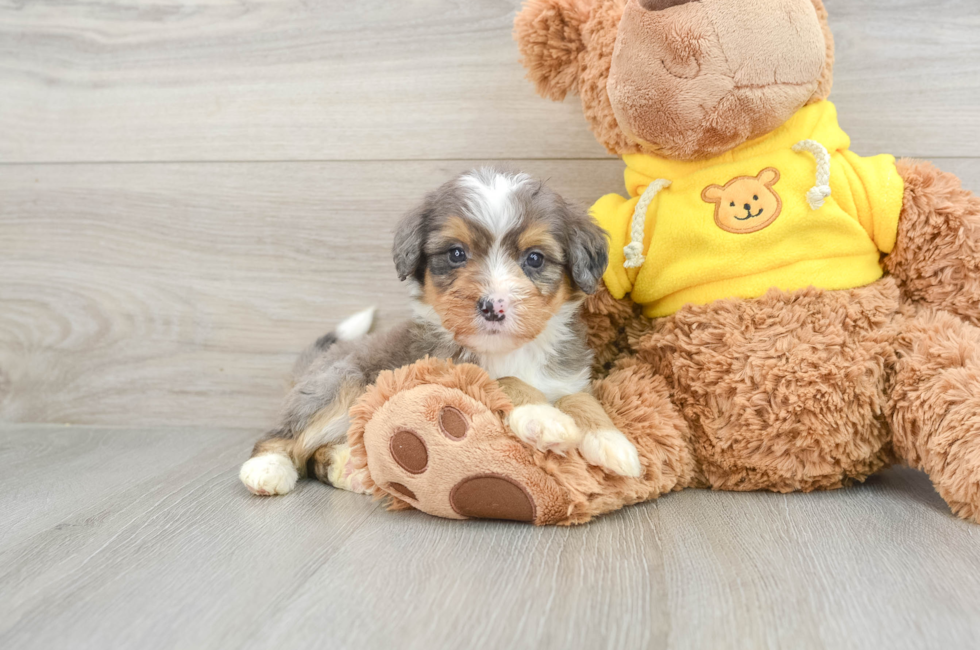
[499, 265]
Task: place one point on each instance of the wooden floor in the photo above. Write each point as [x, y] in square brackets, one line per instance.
[191, 191]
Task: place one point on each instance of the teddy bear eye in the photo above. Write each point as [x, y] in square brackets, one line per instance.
[733, 204]
[755, 198]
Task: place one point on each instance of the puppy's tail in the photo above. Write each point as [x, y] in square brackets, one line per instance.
[350, 329]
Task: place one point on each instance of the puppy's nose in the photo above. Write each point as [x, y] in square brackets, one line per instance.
[660, 5]
[493, 308]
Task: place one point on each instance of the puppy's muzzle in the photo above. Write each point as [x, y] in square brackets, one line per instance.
[493, 309]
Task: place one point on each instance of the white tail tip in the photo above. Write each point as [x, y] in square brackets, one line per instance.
[356, 326]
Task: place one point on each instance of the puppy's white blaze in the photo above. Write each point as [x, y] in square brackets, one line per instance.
[490, 200]
[612, 451]
[499, 272]
[501, 277]
[269, 474]
[544, 427]
[356, 326]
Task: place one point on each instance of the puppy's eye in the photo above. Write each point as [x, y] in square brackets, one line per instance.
[535, 260]
[457, 256]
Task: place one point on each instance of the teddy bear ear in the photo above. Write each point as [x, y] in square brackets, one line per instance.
[549, 37]
[827, 76]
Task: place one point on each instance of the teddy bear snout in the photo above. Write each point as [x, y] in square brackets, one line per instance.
[660, 5]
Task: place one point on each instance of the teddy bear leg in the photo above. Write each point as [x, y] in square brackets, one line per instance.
[438, 450]
[936, 258]
[934, 406]
[431, 436]
[637, 400]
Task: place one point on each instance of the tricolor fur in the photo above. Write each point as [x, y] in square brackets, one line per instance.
[499, 265]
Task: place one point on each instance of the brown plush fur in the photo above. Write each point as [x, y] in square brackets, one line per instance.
[566, 490]
[569, 46]
[934, 406]
[784, 392]
[613, 328]
[792, 391]
[467, 378]
[937, 255]
[815, 389]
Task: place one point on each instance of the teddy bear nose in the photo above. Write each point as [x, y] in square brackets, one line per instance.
[747, 206]
[660, 5]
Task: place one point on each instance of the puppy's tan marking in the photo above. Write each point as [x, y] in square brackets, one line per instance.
[457, 229]
[601, 444]
[535, 421]
[586, 411]
[539, 236]
[319, 463]
[277, 463]
[520, 392]
[282, 446]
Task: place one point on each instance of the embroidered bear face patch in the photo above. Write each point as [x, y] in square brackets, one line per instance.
[747, 203]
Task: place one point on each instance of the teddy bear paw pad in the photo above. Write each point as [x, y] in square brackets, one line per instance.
[409, 451]
[492, 497]
[447, 454]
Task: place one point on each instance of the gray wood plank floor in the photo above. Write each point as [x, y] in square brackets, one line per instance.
[192, 190]
[144, 538]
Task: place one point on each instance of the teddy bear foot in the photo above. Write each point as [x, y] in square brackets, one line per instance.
[447, 454]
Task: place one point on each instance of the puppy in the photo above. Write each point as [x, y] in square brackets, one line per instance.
[499, 266]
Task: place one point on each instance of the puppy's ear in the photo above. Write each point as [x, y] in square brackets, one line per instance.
[408, 249]
[588, 250]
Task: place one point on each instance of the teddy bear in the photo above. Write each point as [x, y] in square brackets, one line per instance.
[778, 313]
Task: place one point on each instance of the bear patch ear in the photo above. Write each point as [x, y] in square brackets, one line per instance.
[549, 36]
[769, 176]
[713, 194]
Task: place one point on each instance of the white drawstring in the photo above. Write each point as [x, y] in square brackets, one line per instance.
[819, 192]
[634, 250]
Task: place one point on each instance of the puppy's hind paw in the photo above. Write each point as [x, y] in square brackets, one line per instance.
[269, 474]
[342, 474]
[544, 427]
[612, 451]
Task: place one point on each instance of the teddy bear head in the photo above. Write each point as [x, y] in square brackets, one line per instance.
[681, 79]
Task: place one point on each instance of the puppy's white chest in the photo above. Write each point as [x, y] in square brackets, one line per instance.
[532, 369]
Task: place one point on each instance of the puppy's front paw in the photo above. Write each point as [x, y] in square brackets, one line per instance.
[544, 427]
[612, 451]
[269, 474]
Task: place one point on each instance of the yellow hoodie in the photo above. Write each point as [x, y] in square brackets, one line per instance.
[762, 215]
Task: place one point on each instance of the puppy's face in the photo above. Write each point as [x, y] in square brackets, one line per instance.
[496, 256]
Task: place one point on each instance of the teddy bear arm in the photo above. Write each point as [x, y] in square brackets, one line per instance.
[933, 406]
[936, 258]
